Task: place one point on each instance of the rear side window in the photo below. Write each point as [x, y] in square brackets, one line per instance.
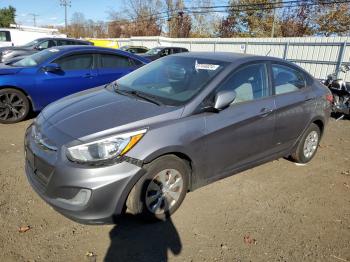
[5, 36]
[250, 83]
[76, 62]
[287, 79]
[114, 61]
[64, 42]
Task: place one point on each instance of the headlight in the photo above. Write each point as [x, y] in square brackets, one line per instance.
[105, 149]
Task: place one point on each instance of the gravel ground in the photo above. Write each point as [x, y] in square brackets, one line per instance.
[276, 212]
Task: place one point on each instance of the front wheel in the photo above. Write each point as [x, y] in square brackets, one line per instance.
[308, 145]
[160, 192]
[14, 106]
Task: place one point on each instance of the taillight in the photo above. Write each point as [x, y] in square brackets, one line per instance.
[329, 98]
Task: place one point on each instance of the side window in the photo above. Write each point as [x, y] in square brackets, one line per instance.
[250, 83]
[5, 36]
[76, 62]
[165, 52]
[64, 42]
[136, 62]
[47, 44]
[114, 61]
[287, 79]
[176, 50]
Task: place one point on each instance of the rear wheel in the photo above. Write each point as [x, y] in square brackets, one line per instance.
[308, 145]
[160, 192]
[14, 106]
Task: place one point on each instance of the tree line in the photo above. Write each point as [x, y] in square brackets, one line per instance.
[202, 18]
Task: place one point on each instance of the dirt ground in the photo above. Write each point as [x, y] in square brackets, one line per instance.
[276, 212]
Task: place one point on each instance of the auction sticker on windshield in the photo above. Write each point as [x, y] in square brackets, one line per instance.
[211, 67]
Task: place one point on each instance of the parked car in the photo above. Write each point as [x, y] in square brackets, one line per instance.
[134, 49]
[174, 125]
[19, 35]
[10, 52]
[159, 52]
[39, 79]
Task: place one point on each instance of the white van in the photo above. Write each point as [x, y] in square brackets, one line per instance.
[20, 35]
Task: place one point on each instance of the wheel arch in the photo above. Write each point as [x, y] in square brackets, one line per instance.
[320, 125]
[31, 103]
[121, 205]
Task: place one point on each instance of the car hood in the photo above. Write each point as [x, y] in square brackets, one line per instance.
[9, 70]
[22, 48]
[101, 112]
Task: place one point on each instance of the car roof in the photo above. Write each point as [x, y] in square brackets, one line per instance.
[237, 58]
[229, 56]
[163, 47]
[61, 38]
[68, 48]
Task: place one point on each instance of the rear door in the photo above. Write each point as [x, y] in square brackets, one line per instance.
[294, 101]
[77, 73]
[113, 66]
[243, 132]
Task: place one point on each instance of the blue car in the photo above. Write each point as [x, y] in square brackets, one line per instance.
[37, 80]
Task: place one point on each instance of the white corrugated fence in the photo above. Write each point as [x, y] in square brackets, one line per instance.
[318, 55]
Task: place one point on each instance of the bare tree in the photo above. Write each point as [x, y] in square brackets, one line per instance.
[204, 24]
[179, 22]
[139, 18]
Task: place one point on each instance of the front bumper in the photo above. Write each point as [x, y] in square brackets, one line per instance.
[89, 195]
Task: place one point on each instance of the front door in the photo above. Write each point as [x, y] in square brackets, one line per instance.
[77, 73]
[243, 132]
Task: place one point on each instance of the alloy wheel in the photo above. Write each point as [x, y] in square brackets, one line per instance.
[164, 191]
[310, 144]
[12, 106]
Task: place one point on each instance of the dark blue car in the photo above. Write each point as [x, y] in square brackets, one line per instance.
[37, 80]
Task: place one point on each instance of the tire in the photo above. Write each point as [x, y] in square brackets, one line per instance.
[14, 106]
[304, 153]
[155, 200]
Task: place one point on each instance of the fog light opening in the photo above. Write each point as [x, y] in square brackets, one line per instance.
[80, 199]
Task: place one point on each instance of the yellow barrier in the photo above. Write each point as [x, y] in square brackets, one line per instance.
[104, 42]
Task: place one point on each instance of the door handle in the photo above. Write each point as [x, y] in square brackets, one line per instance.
[265, 112]
[89, 75]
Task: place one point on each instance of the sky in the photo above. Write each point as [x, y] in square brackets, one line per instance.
[50, 11]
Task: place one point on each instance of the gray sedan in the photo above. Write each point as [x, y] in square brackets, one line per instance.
[174, 125]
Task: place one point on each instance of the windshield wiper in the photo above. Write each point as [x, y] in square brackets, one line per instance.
[135, 93]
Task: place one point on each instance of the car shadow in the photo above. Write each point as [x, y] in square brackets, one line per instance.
[135, 240]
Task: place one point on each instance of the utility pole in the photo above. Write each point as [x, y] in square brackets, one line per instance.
[34, 18]
[65, 3]
[275, 3]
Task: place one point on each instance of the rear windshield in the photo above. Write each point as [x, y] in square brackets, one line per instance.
[173, 80]
[36, 59]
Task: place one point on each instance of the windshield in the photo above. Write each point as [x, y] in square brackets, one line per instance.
[154, 51]
[36, 59]
[32, 43]
[173, 80]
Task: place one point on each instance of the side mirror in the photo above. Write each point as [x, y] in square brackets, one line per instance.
[223, 99]
[39, 48]
[53, 67]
